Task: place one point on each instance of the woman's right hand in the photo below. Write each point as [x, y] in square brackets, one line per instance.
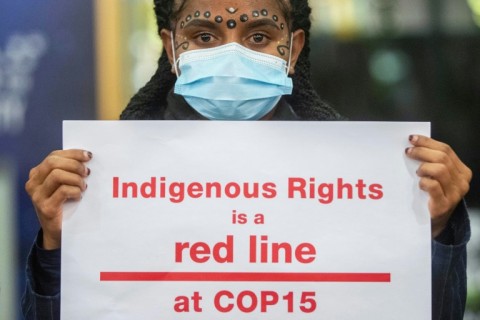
[59, 178]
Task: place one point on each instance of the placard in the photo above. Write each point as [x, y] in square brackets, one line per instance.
[246, 220]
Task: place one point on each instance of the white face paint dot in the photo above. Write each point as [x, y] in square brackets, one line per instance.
[232, 10]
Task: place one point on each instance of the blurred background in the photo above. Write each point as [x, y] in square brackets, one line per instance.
[388, 60]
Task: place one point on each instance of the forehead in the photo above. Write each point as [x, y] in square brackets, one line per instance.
[237, 7]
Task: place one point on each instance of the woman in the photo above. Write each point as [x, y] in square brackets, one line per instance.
[204, 41]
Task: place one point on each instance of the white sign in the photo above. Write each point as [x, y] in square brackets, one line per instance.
[247, 220]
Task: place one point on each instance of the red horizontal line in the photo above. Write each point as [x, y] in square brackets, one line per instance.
[245, 276]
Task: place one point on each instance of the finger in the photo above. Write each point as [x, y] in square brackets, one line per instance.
[454, 188]
[454, 185]
[425, 154]
[75, 154]
[60, 173]
[68, 160]
[438, 165]
[60, 158]
[432, 187]
[429, 143]
[436, 171]
[63, 194]
[51, 207]
[58, 178]
[461, 175]
[438, 202]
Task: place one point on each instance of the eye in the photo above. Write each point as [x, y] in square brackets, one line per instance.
[205, 37]
[258, 38]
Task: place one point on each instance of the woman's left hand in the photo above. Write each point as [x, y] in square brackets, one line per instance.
[442, 175]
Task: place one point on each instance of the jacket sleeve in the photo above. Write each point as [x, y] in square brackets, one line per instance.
[449, 268]
[41, 299]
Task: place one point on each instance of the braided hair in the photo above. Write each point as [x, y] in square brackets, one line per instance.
[150, 101]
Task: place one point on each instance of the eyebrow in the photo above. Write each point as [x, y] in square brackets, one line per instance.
[201, 23]
[261, 23]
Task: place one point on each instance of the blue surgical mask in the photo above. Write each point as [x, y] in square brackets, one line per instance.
[231, 82]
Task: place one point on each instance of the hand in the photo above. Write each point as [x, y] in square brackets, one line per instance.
[59, 178]
[442, 175]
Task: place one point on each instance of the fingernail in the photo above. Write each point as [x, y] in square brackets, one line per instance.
[88, 154]
[87, 171]
[408, 150]
[413, 138]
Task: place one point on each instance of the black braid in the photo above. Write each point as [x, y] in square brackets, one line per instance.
[151, 100]
[304, 99]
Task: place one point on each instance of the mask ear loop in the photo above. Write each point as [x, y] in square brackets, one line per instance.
[290, 54]
[175, 61]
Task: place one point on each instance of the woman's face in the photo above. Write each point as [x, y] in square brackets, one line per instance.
[259, 25]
